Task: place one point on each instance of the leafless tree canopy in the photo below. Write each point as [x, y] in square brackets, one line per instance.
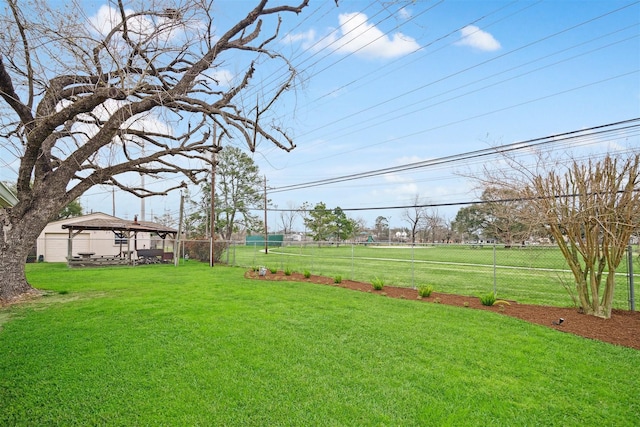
[288, 217]
[141, 87]
[139, 91]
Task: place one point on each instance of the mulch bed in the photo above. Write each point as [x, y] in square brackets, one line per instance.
[623, 328]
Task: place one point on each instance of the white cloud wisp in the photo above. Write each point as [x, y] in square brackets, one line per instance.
[474, 37]
[357, 36]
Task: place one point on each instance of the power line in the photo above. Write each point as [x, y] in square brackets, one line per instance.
[458, 203]
[521, 145]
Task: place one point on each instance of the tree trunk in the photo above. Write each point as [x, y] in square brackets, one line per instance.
[607, 302]
[13, 282]
[19, 233]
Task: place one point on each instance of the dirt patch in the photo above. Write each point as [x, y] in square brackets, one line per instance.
[623, 328]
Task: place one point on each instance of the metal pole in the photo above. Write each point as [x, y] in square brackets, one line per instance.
[266, 232]
[234, 254]
[413, 267]
[352, 260]
[495, 290]
[632, 299]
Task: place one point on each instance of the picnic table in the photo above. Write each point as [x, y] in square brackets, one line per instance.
[86, 255]
[87, 259]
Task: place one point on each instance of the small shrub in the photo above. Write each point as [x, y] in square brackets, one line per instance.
[377, 283]
[288, 271]
[273, 270]
[307, 274]
[466, 303]
[337, 279]
[201, 249]
[425, 291]
[488, 299]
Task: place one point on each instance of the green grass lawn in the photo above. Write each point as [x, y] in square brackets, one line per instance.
[192, 345]
[530, 275]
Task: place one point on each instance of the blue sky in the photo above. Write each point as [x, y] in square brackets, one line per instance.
[546, 70]
[383, 84]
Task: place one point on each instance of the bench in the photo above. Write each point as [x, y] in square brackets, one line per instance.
[154, 256]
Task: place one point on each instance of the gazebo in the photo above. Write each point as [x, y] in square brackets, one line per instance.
[123, 230]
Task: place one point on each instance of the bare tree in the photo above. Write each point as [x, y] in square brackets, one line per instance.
[591, 209]
[289, 216]
[416, 217]
[434, 226]
[87, 102]
[506, 214]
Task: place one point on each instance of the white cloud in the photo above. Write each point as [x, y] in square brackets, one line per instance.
[400, 186]
[405, 160]
[140, 27]
[395, 178]
[224, 78]
[108, 18]
[105, 19]
[305, 38]
[404, 13]
[145, 122]
[356, 35]
[476, 38]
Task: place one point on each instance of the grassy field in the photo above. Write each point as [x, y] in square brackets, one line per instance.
[192, 345]
[531, 275]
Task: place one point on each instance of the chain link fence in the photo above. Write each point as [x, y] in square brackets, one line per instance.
[526, 274]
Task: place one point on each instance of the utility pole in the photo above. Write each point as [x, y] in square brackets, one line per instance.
[213, 198]
[266, 232]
